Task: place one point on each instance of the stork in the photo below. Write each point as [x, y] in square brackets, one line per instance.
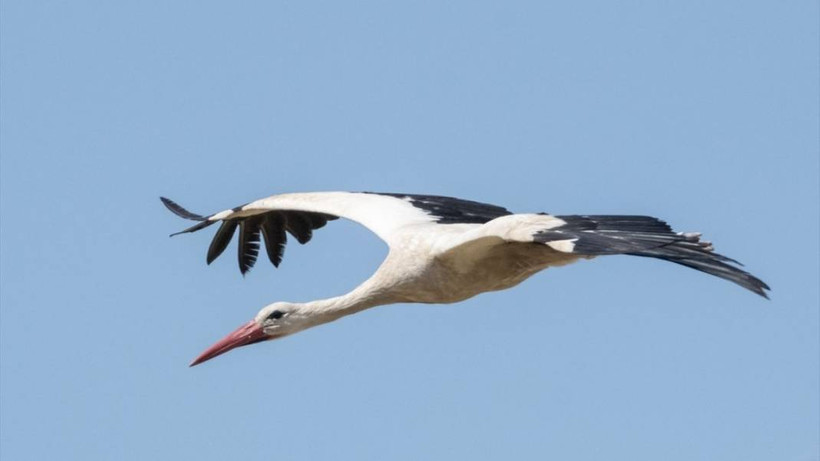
[441, 250]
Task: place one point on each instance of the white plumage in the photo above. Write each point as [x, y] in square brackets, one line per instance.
[441, 250]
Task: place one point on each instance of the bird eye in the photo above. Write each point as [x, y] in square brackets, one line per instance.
[275, 315]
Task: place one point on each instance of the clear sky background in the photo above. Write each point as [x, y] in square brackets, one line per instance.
[702, 113]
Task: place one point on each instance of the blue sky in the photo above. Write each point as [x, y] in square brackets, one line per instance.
[702, 113]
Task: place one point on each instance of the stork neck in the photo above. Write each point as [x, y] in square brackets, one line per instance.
[361, 298]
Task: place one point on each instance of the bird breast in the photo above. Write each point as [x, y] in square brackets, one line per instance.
[453, 277]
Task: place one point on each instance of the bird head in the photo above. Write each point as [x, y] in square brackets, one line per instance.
[272, 322]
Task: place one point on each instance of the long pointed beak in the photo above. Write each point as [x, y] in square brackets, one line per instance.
[248, 333]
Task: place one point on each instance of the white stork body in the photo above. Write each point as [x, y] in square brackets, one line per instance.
[441, 250]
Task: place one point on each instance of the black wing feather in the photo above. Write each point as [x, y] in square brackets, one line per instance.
[648, 237]
[248, 243]
[273, 231]
[273, 226]
[221, 239]
[450, 210]
[299, 226]
[179, 211]
[711, 263]
[319, 220]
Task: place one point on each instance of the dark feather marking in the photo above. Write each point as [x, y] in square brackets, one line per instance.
[299, 226]
[319, 220]
[248, 243]
[621, 223]
[600, 235]
[273, 231]
[179, 211]
[221, 239]
[713, 266]
[648, 237]
[183, 213]
[272, 226]
[449, 210]
[194, 228]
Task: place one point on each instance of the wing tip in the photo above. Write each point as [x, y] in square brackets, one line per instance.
[200, 225]
[759, 287]
[178, 210]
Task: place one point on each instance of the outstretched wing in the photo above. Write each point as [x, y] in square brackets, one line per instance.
[271, 219]
[649, 237]
[596, 235]
[272, 226]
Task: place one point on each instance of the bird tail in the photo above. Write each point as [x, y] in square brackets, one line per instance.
[648, 237]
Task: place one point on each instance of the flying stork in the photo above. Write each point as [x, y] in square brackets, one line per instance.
[441, 250]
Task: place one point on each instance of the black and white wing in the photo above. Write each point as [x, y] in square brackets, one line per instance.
[598, 235]
[271, 219]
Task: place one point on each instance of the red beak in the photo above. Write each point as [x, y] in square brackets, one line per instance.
[248, 333]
